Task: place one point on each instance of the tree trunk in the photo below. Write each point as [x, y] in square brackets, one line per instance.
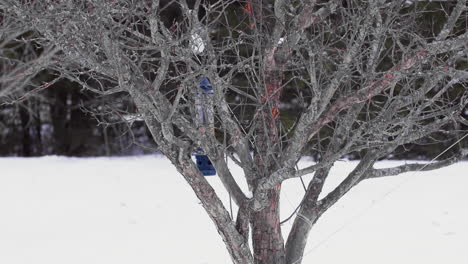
[268, 244]
[298, 235]
[60, 118]
[38, 128]
[266, 232]
[25, 123]
[306, 218]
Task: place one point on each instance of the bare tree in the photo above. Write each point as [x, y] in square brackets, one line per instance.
[21, 58]
[363, 77]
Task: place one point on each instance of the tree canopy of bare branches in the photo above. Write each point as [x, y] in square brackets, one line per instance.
[365, 77]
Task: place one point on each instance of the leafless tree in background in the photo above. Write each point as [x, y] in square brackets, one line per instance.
[368, 73]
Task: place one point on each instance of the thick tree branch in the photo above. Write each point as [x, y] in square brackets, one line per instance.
[351, 180]
[306, 217]
[234, 240]
[243, 221]
[238, 139]
[228, 181]
[457, 11]
[378, 173]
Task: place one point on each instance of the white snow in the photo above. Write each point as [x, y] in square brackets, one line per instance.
[56, 210]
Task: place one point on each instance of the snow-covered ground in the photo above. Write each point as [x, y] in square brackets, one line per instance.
[138, 210]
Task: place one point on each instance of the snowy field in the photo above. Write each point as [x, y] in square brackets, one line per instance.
[138, 210]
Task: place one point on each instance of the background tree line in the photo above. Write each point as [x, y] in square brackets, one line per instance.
[60, 121]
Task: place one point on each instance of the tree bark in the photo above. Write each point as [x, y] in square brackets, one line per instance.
[297, 239]
[267, 240]
[306, 218]
[268, 243]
